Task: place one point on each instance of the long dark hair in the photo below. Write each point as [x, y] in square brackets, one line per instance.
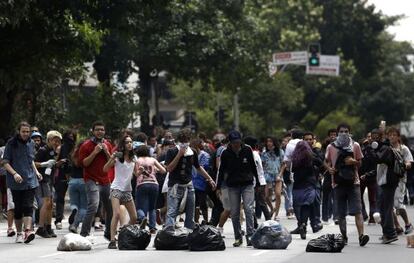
[75, 154]
[121, 148]
[275, 143]
[302, 155]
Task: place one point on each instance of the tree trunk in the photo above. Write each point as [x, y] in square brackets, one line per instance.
[6, 109]
[143, 93]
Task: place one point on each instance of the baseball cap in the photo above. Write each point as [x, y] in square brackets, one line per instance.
[52, 134]
[36, 134]
[234, 136]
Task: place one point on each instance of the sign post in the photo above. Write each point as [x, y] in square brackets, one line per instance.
[328, 66]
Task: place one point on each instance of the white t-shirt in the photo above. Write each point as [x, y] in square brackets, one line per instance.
[290, 147]
[123, 175]
[382, 169]
[259, 168]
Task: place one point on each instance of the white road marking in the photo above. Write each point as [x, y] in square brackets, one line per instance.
[260, 253]
[52, 255]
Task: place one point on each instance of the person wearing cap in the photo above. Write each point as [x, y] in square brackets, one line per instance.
[45, 160]
[22, 179]
[38, 140]
[238, 171]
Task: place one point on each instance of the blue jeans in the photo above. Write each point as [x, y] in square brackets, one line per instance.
[235, 195]
[175, 195]
[96, 193]
[288, 197]
[145, 201]
[78, 200]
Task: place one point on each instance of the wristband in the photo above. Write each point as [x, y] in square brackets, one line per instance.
[14, 173]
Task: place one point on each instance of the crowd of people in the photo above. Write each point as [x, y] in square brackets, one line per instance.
[159, 181]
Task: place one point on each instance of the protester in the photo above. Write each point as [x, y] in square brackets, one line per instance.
[22, 179]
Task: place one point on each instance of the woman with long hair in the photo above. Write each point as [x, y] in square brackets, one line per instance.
[305, 180]
[147, 186]
[124, 162]
[77, 191]
[272, 159]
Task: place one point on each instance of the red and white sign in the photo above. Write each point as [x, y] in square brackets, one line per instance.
[328, 66]
[296, 57]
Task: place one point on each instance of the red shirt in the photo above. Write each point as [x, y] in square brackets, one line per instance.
[94, 171]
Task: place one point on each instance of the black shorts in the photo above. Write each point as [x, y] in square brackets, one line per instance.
[200, 199]
[348, 200]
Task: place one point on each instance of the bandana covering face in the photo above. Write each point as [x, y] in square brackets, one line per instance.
[344, 141]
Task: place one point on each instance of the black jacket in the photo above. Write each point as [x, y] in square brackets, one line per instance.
[237, 169]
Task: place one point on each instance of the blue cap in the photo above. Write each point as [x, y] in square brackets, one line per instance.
[36, 134]
[136, 144]
[234, 136]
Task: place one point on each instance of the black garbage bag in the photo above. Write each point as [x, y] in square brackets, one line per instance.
[206, 238]
[329, 243]
[171, 239]
[131, 237]
[271, 235]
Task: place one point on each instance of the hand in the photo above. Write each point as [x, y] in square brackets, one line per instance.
[331, 170]
[182, 151]
[105, 149]
[60, 162]
[18, 178]
[48, 164]
[212, 184]
[408, 166]
[98, 148]
[39, 176]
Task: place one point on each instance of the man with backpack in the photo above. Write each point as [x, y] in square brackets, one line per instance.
[343, 157]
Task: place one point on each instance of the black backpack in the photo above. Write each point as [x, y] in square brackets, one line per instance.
[345, 174]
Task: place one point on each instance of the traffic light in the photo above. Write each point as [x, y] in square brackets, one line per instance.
[314, 52]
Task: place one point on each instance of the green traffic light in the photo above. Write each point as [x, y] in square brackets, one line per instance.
[314, 61]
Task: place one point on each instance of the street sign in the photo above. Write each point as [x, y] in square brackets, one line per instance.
[272, 69]
[328, 66]
[296, 57]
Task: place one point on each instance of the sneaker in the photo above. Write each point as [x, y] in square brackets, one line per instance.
[11, 232]
[107, 235]
[302, 232]
[98, 227]
[19, 238]
[238, 242]
[153, 231]
[408, 229]
[41, 231]
[58, 225]
[345, 240]
[399, 230]
[72, 216]
[326, 222]
[28, 236]
[377, 217]
[336, 222]
[248, 241]
[363, 240]
[112, 245]
[73, 229]
[295, 232]
[317, 228]
[143, 223]
[50, 231]
[388, 240]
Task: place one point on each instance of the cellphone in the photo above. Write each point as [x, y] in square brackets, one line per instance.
[119, 154]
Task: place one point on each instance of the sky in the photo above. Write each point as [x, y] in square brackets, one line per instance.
[404, 30]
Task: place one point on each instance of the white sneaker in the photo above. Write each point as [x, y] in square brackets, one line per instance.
[58, 226]
[377, 217]
[19, 238]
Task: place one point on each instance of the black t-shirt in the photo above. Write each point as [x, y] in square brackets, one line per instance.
[45, 154]
[182, 174]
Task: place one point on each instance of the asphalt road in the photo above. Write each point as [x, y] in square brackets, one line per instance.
[45, 250]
